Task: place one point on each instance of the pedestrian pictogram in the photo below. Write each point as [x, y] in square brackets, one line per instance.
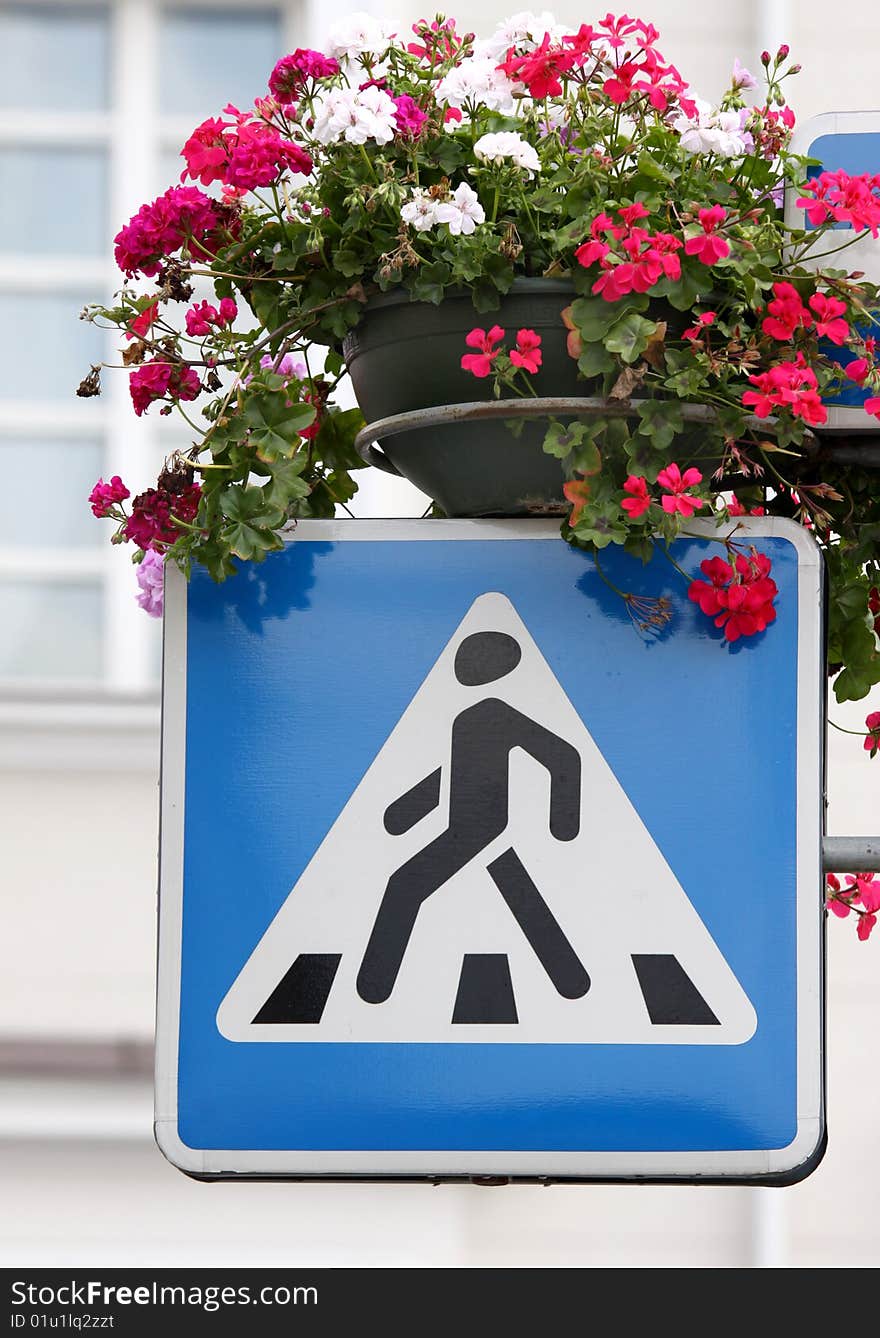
[467, 890]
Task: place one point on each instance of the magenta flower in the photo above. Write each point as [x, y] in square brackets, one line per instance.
[151, 583]
[409, 116]
[159, 380]
[182, 215]
[872, 739]
[291, 72]
[105, 495]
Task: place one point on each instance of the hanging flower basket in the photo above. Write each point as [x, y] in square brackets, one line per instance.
[548, 214]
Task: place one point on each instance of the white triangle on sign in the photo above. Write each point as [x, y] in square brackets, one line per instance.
[655, 973]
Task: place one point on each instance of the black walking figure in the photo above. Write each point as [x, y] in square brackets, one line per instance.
[483, 736]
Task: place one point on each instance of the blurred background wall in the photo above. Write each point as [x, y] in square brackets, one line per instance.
[95, 101]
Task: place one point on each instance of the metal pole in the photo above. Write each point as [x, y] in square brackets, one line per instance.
[851, 854]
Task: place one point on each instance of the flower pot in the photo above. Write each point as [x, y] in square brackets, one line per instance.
[406, 355]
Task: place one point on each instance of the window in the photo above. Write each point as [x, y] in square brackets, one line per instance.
[96, 98]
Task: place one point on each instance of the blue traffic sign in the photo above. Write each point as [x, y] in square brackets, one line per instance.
[842, 142]
[463, 873]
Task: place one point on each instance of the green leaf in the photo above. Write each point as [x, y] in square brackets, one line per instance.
[253, 518]
[640, 546]
[334, 444]
[275, 426]
[287, 484]
[594, 360]
[629, 337]
[593, 317]
[661, 421]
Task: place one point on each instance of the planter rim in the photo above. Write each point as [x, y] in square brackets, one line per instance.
[399, 297]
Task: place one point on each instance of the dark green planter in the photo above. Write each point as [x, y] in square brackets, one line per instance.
[406, 355]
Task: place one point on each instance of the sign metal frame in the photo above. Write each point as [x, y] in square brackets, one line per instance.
[784, 1165]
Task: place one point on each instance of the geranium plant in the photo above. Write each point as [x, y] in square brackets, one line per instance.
[429, 160]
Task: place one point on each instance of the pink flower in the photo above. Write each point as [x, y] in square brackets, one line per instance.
[541, 70]
[291, 72]
[150, 574]
[704, 319]
[867, 890]
[872, 739]
[844, 199]
[244, 154]
[202, 318]
[409, 116]
[857, 370]
[864, 927]
[787, 313]
[709, 248]
[183, 215]
[105, 495]
[480, 364]
[872, 406]
[527, 353]
[639, 500]
[141, 325]
[736, 508]
[677, 498]
[791, 385]
[828, 312]
[157, 380]
[836, 900]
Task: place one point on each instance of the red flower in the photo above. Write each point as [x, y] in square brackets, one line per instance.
[704, 319]
[677, 497]
[865, 925]
[787, 313]
[857, 370]
[577, 491]
[527, 353]
[709, 248]
[872, 741]
[829, 311]
[872, 406]
[790, 385]
[845, 199]
[141, 324]
[639, 500]
[151, 523]
[480, 364]
[738, 597]
[541, 70]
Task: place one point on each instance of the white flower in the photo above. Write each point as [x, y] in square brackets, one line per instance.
[508, 144]
[421, 211]
[525, 31]
[462, 212]
[357, 34]
[356, 115]
[478, 82]
[713, 132]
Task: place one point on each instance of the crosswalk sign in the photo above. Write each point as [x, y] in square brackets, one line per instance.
[464, 875]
